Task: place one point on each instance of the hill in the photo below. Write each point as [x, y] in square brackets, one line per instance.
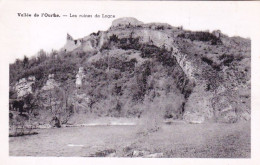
[135, 70]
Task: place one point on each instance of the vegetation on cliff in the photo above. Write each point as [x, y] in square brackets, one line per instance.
[131, 73]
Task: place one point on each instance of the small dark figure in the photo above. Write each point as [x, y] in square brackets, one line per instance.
[11, 116]
[18, 105]
[56, 122]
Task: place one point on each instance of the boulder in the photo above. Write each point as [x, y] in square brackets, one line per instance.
[228, 117]
[44, 126]
[137, 153]
[193, 118]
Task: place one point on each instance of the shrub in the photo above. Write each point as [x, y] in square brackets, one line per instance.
[201, 36]
[207, 60]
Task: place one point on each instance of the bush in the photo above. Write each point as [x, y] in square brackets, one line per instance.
[201, 36]
[207, 60]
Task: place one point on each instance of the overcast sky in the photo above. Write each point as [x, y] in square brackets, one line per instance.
[26, 36]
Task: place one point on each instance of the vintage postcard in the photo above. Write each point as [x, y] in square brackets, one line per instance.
[150, 80]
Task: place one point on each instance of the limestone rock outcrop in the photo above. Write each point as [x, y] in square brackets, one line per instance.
[206, 100]
[209, 71]
[126, 21]
[79, 77]
[51, 83]
[24, 86]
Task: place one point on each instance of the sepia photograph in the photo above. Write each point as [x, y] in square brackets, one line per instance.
[102, 82]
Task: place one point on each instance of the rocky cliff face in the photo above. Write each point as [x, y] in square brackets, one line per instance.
[50, 83]
[24, 86]
[196, 76]
[80, 77]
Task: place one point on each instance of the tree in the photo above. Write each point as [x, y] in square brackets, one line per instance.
[41, 56]
[31, 103]
[25, 62]
[57, 104]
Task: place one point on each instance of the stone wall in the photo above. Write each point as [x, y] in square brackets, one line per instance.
[126, 21]
[71, 44]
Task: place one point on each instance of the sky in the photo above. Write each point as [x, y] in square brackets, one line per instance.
[27, 35]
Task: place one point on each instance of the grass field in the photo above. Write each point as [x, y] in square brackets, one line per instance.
[177, 140]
